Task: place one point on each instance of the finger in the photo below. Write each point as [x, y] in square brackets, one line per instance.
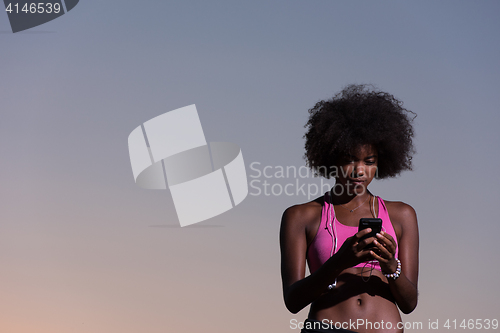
[366, 255]
[362, 233]
[383, 250]
[362, 244]
[386, 243]
[391, 239]
[377, 257]
[381, 257]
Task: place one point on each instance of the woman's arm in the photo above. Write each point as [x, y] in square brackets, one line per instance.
[298, 290]
[404, 288]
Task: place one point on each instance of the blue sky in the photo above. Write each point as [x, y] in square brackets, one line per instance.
[80, 241]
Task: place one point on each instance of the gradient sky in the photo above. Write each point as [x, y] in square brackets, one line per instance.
[83, 249]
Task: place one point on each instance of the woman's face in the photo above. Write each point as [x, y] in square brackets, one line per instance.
[357, 169]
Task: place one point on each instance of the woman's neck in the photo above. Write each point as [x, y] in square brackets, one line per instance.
[349, 199]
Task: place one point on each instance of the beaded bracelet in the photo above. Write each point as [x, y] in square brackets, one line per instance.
[396, 274]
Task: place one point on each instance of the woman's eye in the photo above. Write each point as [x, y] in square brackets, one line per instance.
[370, 162]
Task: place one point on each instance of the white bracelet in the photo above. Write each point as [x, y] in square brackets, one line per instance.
[396, 274]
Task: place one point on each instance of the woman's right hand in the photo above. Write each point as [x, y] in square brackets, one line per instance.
[353, 251]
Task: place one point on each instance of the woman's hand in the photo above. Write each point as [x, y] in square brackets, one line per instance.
[354, 251]
[384, 252]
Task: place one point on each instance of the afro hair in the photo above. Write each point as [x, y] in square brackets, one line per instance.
[357, 116]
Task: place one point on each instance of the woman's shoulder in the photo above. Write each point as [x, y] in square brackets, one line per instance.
[401, 213]
[303, 214]
[399, 208]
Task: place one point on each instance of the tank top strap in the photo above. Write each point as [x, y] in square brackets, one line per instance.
[382, 209]
[387, 223]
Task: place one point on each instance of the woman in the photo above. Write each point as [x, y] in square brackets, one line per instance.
[356, 284]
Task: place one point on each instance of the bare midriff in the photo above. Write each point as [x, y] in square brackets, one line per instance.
[362, 299]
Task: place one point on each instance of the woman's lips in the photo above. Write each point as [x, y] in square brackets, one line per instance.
[356, 181]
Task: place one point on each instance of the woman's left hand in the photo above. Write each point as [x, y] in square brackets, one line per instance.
[384, 252]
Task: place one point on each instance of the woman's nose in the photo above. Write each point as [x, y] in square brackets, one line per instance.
[359, 170]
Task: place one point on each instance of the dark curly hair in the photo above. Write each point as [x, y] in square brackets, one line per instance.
[356, 116]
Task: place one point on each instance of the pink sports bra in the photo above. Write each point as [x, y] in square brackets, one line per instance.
[322, 247]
